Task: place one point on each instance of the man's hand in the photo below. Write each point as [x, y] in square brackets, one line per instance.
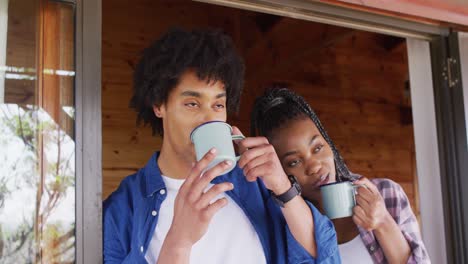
[259, 160]
[193, 209]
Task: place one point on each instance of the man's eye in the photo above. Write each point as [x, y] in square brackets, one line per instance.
[293, 163]
[191, 104]
[318, 148]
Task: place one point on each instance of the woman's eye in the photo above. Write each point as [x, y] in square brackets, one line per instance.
[219, 106]
[293, 163]
[318, 148]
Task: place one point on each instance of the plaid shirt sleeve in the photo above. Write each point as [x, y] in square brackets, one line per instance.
[399, 207]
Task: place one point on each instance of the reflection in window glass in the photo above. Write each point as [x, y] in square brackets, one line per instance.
[37, 148]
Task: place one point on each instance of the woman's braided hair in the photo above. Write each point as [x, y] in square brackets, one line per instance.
[277, 106]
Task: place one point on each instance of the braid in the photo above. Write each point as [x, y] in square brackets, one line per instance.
[279, 105]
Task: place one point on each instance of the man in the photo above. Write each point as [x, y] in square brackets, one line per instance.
[171, 212]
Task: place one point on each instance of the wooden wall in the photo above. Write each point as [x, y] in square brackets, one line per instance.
[356, 81]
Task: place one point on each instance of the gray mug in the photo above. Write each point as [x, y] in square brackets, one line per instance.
[215, 134]
[339, 198]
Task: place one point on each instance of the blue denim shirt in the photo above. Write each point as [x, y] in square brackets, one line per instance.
[129, 223]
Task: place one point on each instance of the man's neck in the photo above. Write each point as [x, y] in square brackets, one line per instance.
[173, 164]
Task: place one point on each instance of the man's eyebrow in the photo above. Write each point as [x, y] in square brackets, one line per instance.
[221, 95]
[198, 95]
[190, 93]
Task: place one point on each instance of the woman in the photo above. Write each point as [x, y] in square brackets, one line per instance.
[383, 228]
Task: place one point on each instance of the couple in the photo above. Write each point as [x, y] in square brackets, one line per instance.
[169, 212]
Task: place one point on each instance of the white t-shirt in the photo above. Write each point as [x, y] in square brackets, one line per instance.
[355, 251]
[230, 239]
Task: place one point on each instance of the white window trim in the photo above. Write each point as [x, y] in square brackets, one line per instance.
[427, 151]
[3, 46]
[88, 132]
[463, 44]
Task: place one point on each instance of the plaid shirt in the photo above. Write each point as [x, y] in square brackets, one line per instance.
[398, 206]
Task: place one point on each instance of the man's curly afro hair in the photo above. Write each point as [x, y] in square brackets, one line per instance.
[209, 53]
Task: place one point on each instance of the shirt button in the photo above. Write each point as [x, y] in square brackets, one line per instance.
[372, 248]
[154, 213]
[162, 192]
[141, 249]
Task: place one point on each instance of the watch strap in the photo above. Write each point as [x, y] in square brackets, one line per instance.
[287, 196]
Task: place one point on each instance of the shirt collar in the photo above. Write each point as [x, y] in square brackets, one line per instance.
[153, 179]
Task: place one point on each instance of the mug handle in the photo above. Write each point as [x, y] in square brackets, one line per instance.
[355, 186]
[237, 137]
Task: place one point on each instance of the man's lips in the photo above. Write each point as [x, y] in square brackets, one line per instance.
[322, 180]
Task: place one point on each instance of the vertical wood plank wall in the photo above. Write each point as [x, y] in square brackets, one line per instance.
[356, 81]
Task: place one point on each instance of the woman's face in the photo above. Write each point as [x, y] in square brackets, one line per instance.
[304, 153]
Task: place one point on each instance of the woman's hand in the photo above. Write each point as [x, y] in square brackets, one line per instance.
[371, 214]
[370, 211]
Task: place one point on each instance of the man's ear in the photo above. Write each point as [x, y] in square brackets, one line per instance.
[158, 110]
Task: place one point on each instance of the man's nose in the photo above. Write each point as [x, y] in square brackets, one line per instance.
[210, 115]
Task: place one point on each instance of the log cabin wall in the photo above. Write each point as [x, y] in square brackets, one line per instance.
[356, 81]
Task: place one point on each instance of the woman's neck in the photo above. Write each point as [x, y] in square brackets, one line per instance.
[345, 228]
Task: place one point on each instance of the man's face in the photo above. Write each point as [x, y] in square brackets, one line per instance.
[191, 103]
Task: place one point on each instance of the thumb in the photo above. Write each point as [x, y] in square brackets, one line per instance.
[236, 131]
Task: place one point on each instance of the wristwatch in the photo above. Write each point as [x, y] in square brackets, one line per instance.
[295, 190]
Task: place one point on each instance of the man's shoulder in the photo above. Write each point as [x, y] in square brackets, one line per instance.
[129, 190]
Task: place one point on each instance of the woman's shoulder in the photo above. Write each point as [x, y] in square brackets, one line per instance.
[386, 184]
[393, 194]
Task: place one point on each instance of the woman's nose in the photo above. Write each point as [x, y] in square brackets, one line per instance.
[313, 167]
